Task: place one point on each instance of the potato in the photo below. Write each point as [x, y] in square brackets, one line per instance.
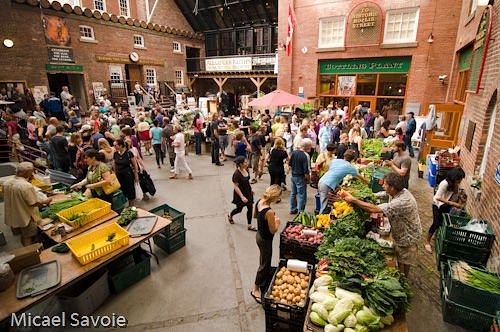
[291, 288]
[271, 297]
[297, 291]
[286, 291]
[300, 304]
[304, 284]
[297, 279]
[294, 274]
[278, 282]
[302, 296]
[279, 274]
[289, 297]
[306, 278]
[287, 273]
[283, 301]
[301, 275]
[296, 299]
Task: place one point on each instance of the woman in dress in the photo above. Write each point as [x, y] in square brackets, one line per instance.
[127, 172]
[242, 194]
[277, 157]
[98, 174]
[356, 141]
[143, 131]
[384, 130]
[268, 223]
[107, 150]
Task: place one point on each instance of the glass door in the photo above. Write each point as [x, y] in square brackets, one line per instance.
[365, 102]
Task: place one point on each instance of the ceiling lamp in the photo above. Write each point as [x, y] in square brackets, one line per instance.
[8, 43]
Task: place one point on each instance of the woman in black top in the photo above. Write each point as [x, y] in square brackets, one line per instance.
[268, 224]
[277, 157]
[126, 170]
[242, 194]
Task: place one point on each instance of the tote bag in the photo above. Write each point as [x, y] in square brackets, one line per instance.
[112, 186]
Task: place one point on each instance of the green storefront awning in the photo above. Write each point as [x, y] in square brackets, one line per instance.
[58, 67]
[369, 65]
[465, 57]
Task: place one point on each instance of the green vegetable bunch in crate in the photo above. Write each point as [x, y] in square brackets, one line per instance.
[177, 217]
[453, 242]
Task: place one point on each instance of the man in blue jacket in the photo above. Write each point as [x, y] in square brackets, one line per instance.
[410, 130]
[54, 107]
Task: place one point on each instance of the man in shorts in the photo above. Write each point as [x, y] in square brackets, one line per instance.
[402, 213]
[222, 133]
[21, 204]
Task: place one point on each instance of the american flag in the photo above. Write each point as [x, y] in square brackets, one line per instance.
[291, 25]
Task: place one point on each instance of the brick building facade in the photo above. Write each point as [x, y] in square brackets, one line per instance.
[480, 155]
[364, 33]
[105, 45]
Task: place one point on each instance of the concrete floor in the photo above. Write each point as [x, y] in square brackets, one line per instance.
[205, 285]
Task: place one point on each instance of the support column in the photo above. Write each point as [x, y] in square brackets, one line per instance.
[220, 82]
[258, 81]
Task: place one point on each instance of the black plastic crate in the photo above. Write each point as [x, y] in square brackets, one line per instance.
[172, 243]
[470, 296]
[293, 249]
[285, 317]
[130, 274]
[464, 316]
[168, 212]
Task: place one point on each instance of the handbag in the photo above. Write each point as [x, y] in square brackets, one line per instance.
[146, 183]
[111, 186]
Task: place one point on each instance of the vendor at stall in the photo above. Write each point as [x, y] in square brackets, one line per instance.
[337, 170]
[402, 212]
[98, 175]
[21, 204]
[401, 164]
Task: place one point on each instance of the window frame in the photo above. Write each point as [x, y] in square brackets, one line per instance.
[181, 77]
[473, 7]
[112, 69]
[146, 76]
[84, 38]
[120, 9]
[413, 39]
[103, 5]
[320, 31]
[180, 47]
[143, 45]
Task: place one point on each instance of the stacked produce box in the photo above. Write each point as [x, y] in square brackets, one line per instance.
[174, 235]
[470, 294]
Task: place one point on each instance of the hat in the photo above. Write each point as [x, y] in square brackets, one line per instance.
[85, 127]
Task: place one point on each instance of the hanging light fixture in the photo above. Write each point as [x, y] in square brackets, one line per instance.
[430, 39]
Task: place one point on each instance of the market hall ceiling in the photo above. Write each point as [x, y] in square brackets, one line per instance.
[212, 15]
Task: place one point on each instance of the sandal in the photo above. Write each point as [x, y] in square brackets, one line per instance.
[230, 219]
[257, 299]
[252, 228]
[428, 248]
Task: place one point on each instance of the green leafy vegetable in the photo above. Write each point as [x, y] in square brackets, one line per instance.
[128, 214]
[372, 148]
[475, 278]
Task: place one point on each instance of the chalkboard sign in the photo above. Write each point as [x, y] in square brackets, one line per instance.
[480, 50]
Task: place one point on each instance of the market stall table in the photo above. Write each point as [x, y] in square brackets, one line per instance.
[72, 270]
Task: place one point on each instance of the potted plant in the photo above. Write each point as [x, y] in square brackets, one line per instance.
[421, 168]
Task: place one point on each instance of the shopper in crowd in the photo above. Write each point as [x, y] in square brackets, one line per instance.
[180, 154]
[402, 212]
[369, 122]
[144, 135]
[32, 136]
[356, 142]
[212, 132]
[197, 127]
[323, 162]
[311, 134]
[410, 130]
[288, 139]
[300, 164]
[21, 204]
[127, 172]
[325, 135]
[220, 129]
[114, 128]
[240, 145]
[75, 140]
[54, 107]
[59, 148]
[267, 224]
[257, 142]
[242, 193]
[65, 94]
[107, 150]
[337, 170]
[446, 197]
[245, 122]
[384, 129]
[277, 157]
[358, 119]
[140, 165]
[127, 120]
[378, 121]
[98, 174]
[399, 134]
[73, 122]
[342, 146]
[277, 127]
[401, 163]
[302, 134]
[402, 123]
[156, 134]
[128, 132]
[167, 147]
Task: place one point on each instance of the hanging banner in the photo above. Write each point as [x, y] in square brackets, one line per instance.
[56, 31]
[39, 91]
[228, 64]
[346, 85]
[480, 50]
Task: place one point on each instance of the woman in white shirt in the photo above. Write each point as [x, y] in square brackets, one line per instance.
[444, 200]
[180, 154]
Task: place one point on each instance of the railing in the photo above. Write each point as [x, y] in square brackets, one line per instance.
[22, 152]
[235, 63]
[121, 89]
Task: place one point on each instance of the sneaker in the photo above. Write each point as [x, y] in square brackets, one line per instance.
[172, 170]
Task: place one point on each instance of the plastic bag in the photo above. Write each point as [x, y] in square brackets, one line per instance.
[476, 225]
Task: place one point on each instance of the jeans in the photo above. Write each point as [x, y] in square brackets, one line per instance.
[197, 141]
[299, 192]
[409, 147]
[323, 191]
[266, 254]
[160, 156]
[215, 151]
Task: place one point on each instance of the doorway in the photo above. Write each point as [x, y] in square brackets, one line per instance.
[75, 83]
[365, 102]
[133, 74]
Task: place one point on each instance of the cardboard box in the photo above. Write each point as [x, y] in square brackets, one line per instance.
[25, 256]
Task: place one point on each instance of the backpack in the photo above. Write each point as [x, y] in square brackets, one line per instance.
[208, 131]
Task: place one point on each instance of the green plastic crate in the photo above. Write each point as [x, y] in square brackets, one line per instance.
[459, 252]
[118, 201]
[470, 296]
[455, 235]
[464, 316]
[377, 181]
[176, 216]
[170, 244]
[130, 274]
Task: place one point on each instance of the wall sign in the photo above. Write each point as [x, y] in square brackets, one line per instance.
[60, 54]
[55, 67]
[370, 65]
[229, 64]
[364, 25]
[480, 50]
[56, 31]
[126, 60]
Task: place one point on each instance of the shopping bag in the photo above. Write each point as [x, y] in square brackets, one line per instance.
[112, 186]
[146, 183]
